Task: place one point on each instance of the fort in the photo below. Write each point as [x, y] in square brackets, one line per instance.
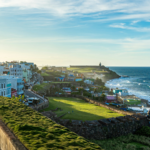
[87, 66]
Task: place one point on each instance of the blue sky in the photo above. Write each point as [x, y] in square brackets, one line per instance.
[67, 32]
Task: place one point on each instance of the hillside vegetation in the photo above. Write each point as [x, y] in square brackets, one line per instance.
[36, 131]
[86, 70]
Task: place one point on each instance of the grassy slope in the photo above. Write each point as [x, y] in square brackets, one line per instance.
[86, 70]
[130, 142]
[44, 74]
[39, 87]
[36, 131]
[81, 109]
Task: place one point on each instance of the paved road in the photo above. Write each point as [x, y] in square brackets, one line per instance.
[31, 94]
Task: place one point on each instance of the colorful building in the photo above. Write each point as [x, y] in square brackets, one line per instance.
[110, 98]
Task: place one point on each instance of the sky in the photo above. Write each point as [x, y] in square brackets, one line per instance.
[76, 32]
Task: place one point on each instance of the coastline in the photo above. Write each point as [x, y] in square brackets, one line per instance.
[142, 99]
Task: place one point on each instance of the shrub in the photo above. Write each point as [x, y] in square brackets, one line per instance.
[143, 131]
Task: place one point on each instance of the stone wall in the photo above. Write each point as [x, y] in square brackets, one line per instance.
[7, 140]
[104, 128]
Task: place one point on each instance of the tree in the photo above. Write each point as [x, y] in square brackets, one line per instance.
[73, 88]
[39, 71]
[99, 82]
[102, 97]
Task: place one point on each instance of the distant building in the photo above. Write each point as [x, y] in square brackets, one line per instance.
[110, 98]
[61, 79]
[5, 88]
[123, 93]
[66, 90]
[78, 79]
[16, 71]
[88, 82]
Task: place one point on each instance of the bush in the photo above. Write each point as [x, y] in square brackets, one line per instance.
[143, 131]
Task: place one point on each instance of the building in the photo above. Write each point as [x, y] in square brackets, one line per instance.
[66, 90]
[116, 91]
[20, 86]
[16, 84]
[71, 77]
[123, 93]
[27, 75]
[13, 92]
[5, 88]
[25, 66]
[88, 82]
[78, 79]
[1, 70]
[27, 63]
[110, 98]
[61, 79]
[16, 71]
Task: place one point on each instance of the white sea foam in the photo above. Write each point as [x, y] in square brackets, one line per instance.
[123, 83]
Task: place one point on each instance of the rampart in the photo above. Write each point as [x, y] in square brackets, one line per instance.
[104, 128]
[7, 140]
[84, 66]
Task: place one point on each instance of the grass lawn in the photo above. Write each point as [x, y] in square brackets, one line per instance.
[37, 132]
[81, 109]
[59, 82]
[132, 102]
[39, 87]
[86, 70]
[44, 74]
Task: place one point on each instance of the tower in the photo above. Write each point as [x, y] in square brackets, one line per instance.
[100, 64]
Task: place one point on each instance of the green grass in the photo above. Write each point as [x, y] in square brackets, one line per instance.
[129, 142]
[37, 132]
[86, 70]
[60, 82]
[39, 87]
[132, 102]
[44, 74]
[81, 109]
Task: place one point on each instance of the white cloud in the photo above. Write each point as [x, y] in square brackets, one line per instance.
[123, 26]
[132, 9]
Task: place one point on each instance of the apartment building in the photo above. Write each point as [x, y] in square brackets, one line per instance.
[5, 88]
[16, 71]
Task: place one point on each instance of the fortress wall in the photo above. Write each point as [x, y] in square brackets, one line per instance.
[7, 140]
[84, 67]
[104, 128]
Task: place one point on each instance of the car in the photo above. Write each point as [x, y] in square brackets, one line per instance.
[32, 99]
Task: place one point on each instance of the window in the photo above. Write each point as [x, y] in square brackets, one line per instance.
[4, 93]
[1, 93]
[2, 86]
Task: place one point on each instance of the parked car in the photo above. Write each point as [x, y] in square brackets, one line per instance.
[32, 100]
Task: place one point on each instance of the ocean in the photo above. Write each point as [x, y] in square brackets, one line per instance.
[137, 82]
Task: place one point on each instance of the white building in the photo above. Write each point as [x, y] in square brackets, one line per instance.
[15, 82]
[5, 88]
[20, 87]
[123, 93]
[1, 70]
[16, 71]
[88, 81]
[25, 66]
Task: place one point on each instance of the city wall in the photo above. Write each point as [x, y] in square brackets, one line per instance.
[7, 140]
[104, 128]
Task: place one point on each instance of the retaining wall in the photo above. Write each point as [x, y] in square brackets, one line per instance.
[7, 140]
[104, 128]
